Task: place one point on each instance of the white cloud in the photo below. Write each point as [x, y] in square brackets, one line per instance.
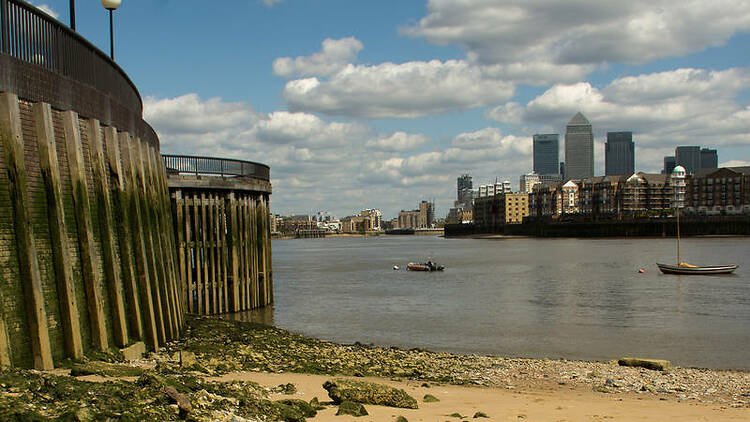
[397, 142]
[735, 163]
[580, 32]
[665, 109]
[411, 89]
[337, 166]
[47, 9]
[334, 56]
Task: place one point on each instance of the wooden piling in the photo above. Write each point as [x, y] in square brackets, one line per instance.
[189, 253]
[162, 254]
[63, 267]
[212, 252]
[224, 254]
[91, 276]
[106, 228]
[122, 217]
[165, 327]
[234, 252]
[181, 249]
[197, 251]
[4, 343]
[12, 139]
[140, 243]
[166, 232]
[204, 255]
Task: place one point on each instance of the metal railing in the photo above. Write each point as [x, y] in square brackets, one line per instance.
[211, 166]
[32, 36]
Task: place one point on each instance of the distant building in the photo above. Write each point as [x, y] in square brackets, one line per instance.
[709, 158]
[677, 180]
[375, 217]
[688, 157]
[355, 224]
[724, 190]
[323, 216]
[546, 153]
[562, 169]
[579, 148]
[527, 182]
[463, 191]
[421, 218]
[503, 208]
[669, 164]
[619, 153]
[569, 200]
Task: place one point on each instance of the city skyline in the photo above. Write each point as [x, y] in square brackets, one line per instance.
[359, 104]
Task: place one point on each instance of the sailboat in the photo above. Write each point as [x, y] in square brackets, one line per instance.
[683, 268]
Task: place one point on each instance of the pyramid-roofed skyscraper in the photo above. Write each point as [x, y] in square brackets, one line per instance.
[579, 148]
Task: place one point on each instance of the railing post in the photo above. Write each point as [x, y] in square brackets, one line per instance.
[4, 12]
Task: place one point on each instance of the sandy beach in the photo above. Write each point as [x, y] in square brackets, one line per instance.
[223, 370]
[541, 403]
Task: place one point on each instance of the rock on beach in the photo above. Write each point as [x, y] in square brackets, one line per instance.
[341, 390]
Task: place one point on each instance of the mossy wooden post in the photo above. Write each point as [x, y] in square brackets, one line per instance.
[254, 251]
[189, 254]
[50, 170]
[198, 250]
[91, 276]
[157, 248]
[148, 234]
[180, 213]
[122, 216]
[106, 227]
[212, 255]
[267, 263]
[167, 235]
[160, 226]
[12, 139]
[204, 256]
[224, 253]
[252, 267]
[4, 343]
[139, 237]
[234, 252]
[243, 252]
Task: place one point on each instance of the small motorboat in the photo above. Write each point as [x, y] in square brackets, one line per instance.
[687, 269]
[424, 266]
[396, 268]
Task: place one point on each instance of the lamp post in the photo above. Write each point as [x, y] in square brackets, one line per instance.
[73, 14]
[111, 5]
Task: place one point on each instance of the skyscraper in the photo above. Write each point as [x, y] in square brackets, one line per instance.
[546, 153]
[579, 148]
[709, 158]
[669, 164]
[688, 157]
[619, 154]
[463, 191]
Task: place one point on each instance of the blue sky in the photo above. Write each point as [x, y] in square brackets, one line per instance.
[360, 104]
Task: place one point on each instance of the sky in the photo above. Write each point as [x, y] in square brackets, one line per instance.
[383, 104]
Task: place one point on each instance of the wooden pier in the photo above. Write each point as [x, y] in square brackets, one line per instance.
[220, 208]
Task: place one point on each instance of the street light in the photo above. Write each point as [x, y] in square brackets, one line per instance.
[111, 5]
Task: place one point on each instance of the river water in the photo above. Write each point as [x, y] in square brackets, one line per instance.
[520, 297]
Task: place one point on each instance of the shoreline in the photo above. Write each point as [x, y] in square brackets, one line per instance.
[220, 364]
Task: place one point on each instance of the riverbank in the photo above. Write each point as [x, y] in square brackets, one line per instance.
[211, 364]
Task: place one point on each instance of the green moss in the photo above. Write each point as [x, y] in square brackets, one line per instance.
[429, 398]
[351, 408]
